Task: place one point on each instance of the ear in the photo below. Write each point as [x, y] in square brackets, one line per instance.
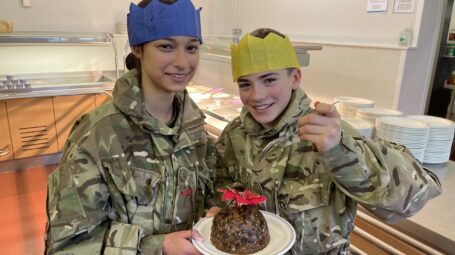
[137, 51]
[296, 78]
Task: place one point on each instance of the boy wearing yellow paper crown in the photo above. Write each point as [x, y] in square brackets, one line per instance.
[312, 167]
[135, 171]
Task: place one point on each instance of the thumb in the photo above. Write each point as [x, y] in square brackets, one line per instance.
[197, 236]
[183, 234]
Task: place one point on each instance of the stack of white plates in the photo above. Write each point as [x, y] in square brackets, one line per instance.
[364, 127]
[440, 140]
[411, 133]
[347, 106]
[370, 114]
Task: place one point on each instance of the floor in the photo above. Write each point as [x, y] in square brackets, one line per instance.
[23, 215]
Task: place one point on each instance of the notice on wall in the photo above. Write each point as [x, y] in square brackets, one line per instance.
[377, 6]
[403, 6]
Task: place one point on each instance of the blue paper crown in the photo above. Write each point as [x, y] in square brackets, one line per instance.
[158, 20]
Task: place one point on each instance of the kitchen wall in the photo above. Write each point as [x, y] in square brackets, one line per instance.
[360, 55]
[74, 16]
[64, 16]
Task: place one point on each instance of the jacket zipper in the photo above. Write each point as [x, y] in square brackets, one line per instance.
[163, 207]
[275, 197]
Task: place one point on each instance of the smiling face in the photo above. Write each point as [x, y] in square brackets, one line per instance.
[168, 64]
[266, 95]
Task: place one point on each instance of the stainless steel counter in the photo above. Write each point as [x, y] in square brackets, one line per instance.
[55, 84]
[435, 223]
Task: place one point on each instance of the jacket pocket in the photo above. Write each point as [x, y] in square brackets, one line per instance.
[305, 204]
[141, 184]
[185, 204]
[297, 196]
[191, 195]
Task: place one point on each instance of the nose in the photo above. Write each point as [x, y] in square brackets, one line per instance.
[257, 93]
[181, 60]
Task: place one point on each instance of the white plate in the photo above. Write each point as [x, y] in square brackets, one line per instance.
[355, 101]
[400, 123]
[282, 236]
[433, 121]
[379, 112]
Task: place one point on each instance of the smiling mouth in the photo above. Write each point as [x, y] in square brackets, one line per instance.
[262, 107]
[178, 76]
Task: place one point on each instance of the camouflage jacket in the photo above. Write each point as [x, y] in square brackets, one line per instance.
[126, 179]
[317, 192]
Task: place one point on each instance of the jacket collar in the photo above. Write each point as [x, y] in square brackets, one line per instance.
[299, 105]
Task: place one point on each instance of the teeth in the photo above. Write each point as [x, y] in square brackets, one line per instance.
[178, 75]
[262, 107]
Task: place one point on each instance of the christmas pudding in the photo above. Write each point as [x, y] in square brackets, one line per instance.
[240, 228]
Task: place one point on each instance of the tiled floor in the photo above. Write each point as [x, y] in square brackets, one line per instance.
[22, 213]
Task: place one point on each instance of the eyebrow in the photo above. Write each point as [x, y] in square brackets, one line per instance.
[267, 74]
[173, 40]
[260, 77]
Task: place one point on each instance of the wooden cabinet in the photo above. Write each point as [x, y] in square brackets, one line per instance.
[32, 126]
[6, 150]
[102, 98]
[67, 110]
[37, 126]
[372, 236]
[374, 240]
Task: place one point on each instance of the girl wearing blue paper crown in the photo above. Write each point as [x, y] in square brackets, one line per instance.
[135, 172]
[313, 168]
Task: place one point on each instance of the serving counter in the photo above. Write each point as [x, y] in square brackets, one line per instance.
[430, 231]
[435, 223]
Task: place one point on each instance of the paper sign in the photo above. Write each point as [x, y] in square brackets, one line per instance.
[403, 6]
[377, 6]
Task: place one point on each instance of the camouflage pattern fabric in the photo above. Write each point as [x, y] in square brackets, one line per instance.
[317, 192]
[126, 179]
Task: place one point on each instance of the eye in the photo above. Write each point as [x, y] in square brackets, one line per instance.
[165, 46]
[243, 85]
[193, 48]
[270, 80]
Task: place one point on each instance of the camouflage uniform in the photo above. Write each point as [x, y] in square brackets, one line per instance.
[317, 192]
[126, 179]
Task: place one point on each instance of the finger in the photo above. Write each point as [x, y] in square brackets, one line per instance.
[183, 234]
[317, 119]
[326, 109]
[322, 143]
[197, 236]
[192, 251]
[212, 211]
[315, 129]
[314, 139]
[188, 248]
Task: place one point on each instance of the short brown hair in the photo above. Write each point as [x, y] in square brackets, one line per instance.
[263, 32]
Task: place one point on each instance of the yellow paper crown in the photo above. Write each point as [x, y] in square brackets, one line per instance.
[254, 55]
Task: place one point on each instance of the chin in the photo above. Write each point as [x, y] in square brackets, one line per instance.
[263, 121]
[178, 87]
